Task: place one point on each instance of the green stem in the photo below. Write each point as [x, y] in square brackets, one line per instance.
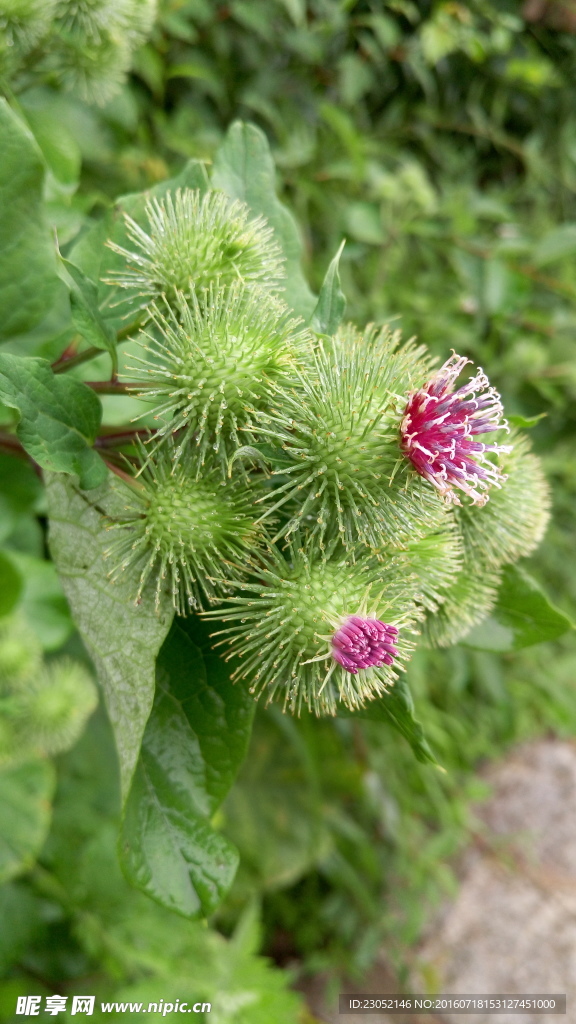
[63, 364]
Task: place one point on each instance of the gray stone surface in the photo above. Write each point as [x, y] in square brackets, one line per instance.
[512, 926]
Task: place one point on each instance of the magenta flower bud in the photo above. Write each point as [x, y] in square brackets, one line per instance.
[438, 429]
[364, 643]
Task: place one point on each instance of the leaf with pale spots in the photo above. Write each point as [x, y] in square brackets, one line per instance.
[121, 638]
[194, 742]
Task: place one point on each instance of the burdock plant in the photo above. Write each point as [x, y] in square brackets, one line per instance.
[321, 496]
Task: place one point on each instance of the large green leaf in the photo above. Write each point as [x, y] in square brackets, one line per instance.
[397, 709]
[331, 304]
[244, 169]
[29, 283]
[122, 639]
[26, 791]
[523, 616]
[275, 814]
[194, 743]
[59, 417]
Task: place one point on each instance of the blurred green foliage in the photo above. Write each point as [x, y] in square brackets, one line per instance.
[440, 140]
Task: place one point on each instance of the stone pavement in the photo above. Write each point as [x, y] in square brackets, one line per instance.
[512, 926]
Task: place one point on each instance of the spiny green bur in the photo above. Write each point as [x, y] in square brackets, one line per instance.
[285, 615]
[183, 531]
[43, 707]
[338, 425]
[208, 364]
[199, 239]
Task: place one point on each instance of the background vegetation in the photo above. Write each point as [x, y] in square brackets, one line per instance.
[440, 140]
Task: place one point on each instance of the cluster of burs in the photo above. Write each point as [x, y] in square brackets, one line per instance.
[85, 46]
[323, 501]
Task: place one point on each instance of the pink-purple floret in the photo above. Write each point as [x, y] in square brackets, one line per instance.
[438, 433]
[364, 643]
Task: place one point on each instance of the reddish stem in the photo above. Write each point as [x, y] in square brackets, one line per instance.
[114, 438]
[11, 444]
[116, 387]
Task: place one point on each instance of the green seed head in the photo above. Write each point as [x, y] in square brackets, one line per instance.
[513, 522]
[468, 601]
[94, 68]
[198, 239]
[55, 708]
[209, 365]
[94, 20]
[20, 654]
[24, 22]
[179, 531]
[89, 19]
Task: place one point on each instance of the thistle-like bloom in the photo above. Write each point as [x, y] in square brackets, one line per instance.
[198, 239]
[209, 365]
[180, 533]
[438, 433]
[290, 622]
[337, 427]
[364, 643]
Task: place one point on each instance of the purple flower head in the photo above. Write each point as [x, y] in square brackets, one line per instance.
[439, 428]
[364, 643]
